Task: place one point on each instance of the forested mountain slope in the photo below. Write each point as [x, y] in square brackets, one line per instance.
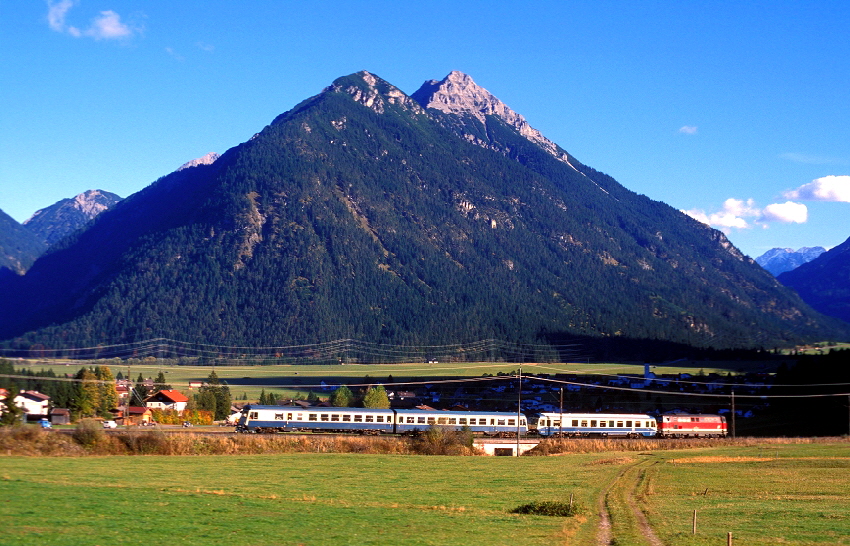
[824, 283]
[361, 213]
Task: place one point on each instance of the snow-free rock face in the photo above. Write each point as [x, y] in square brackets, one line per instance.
[780, 260]
[208, 159]
[458, 94]
[64, 217]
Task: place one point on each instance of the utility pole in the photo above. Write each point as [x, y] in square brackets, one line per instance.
[733, 414]
[518, 410]
[561, 416]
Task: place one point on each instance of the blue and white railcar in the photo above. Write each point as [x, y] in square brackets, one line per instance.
[492, 423]
[631, 425]
[256, 418]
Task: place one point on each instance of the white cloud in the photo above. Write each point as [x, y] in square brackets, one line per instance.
[106, 26]
[56, 12]
[740, 214]
[788, 212]
[688, 129]
[827, 188]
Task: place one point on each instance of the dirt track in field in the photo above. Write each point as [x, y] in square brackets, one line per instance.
[622, 491]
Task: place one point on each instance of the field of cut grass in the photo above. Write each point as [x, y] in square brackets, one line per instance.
[291, 380]
[765, 493]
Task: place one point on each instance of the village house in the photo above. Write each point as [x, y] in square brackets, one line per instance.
[33, 403]
[167, 399]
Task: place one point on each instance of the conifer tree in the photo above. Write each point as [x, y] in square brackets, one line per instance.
[342, 397]
[108, 396]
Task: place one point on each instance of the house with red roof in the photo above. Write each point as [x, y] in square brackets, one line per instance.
[167, 399]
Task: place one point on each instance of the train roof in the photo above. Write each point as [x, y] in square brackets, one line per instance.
[601, 415]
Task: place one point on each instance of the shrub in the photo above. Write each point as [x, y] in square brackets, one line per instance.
[548, 508]
[89, 433]
[439, 440]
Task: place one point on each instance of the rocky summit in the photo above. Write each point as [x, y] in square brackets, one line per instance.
[52, 224]
[433, 218]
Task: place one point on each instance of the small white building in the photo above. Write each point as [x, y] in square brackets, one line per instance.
[167, 399]
[33, 402]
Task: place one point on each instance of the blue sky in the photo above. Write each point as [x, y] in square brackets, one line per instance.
[738, 112]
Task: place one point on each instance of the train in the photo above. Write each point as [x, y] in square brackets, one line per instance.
[263, 418]
[257, 418]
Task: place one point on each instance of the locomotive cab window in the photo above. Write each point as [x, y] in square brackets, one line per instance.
[522, 422]
[252, 415]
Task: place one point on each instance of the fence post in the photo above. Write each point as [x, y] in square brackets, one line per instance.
[695, 523]
[729, 539]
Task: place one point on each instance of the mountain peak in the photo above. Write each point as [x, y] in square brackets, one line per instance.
[208, 159]
[457, 93]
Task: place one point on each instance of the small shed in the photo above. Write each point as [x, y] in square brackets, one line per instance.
[60, 416]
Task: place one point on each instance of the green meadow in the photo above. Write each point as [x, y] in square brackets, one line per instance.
[763, 493]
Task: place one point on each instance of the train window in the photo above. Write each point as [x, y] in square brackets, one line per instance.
[584, 423]
[420, 419]
[358, 418]
[611, 424]
[334, 417]
[452, 421]
[575, 422]
[492, 422]
[430, 420]
[313, 417]
[501, 422]
[278, 417]
[300, 416]
[593, 423]
[370, 418]
[555, 423]
[346, 418]
[289, 416]
[512, 422]
[252, 415]
[380, 419]
[602, 424]
[462, 420]
[522, 422]
[411, 419]
[619, 423]
[441, 421]
[629, 424]
[325, 417]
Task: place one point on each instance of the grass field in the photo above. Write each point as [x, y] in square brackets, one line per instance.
[289, 380]
[769, 493]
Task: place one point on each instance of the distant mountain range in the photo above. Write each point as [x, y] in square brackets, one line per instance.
[824, 283]
[53, 223]
[780, 260]
[19, 247]
[366, 213]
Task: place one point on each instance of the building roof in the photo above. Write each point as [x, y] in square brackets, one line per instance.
[171, 394]
[60, 411]
[137, 410]
[35, 395]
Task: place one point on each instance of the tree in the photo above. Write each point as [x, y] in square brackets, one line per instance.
[12, 414]
[215, 397]
[159, 382]
[376, 398]
[87, 401]
[108, 398]
[342, 397]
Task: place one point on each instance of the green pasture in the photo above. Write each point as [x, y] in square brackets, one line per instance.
[774, 494]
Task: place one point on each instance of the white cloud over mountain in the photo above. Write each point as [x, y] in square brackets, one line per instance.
[740, 214]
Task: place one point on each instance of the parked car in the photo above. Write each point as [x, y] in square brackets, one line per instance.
[45, 424]
[110, 424]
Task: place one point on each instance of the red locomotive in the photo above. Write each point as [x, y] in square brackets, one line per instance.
[687, 425]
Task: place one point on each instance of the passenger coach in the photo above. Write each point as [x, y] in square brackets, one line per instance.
[256, 418]
[630, 425]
